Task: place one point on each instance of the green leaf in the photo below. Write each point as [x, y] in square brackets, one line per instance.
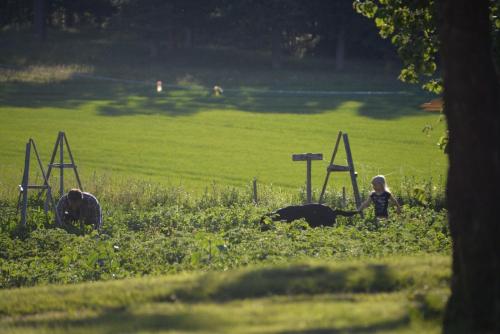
[443, 142]
[367, 8]
[419, 194]
[434, 86]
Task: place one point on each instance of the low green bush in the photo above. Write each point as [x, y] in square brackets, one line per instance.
[158, 233]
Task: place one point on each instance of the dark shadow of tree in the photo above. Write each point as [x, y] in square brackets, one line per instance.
[125, 99]
[383, 326]
[125, 321]
[292, 280]
[299, 279]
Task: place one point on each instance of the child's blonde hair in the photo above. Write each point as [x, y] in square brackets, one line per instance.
[380, 179]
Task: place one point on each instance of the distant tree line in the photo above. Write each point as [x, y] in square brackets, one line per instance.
[284, 27]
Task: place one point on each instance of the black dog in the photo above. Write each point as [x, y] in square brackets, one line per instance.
[314, 214]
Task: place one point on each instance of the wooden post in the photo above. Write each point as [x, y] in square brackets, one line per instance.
[344, 199]
[308, 182]
[61, 161]
[353, 174]
[331, 162]
[53, 157]
[72, 162]
[24, 185]
[308, 157]
[255, 190]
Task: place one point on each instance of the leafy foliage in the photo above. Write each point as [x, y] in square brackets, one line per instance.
[218, 231]
[412, 28]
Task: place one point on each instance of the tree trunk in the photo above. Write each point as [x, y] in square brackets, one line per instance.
[39, 19]
[340, 49]
[472, 108]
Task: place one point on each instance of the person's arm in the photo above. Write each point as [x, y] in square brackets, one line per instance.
[365, 204]
[395, 202]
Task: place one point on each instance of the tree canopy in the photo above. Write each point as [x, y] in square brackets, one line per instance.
[288, 27]
[412, 26]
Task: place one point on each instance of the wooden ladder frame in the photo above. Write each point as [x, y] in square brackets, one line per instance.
[339, 168]
[59, 146]
[22, 200]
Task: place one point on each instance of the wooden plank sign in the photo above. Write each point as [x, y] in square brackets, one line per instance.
[308, 157]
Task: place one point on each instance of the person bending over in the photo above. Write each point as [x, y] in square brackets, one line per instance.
[79, 206]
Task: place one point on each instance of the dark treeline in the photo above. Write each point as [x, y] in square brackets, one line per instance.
[284, 27]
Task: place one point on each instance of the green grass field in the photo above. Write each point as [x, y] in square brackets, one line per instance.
[393, 295]
[188, 137]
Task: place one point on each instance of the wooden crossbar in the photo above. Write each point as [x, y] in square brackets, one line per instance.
[338, 168]
[64, 165]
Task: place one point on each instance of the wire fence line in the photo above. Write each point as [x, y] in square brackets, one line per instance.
[255, 91]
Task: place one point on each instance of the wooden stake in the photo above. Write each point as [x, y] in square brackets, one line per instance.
[353, 174]
[24, 184]
[331, 162]
[61, 161]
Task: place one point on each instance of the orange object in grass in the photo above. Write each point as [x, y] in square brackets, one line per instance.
[433, 105]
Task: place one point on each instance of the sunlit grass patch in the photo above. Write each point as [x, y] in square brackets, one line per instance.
[42, 74]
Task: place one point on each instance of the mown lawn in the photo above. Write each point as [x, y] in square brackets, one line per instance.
[188, 137]
[391, 295]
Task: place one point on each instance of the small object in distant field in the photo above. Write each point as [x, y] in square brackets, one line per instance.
[218, 90]
[435, 105]
[314, 214]
[158, 86]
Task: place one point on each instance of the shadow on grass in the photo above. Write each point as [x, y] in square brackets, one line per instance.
[121, 99]
[126, 322]
[293, 280]
[118, 321]
[389, 325]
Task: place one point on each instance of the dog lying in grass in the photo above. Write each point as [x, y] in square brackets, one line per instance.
[314, 214]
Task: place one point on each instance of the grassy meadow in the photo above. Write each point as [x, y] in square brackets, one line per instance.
[124, 130]
[189, 137]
